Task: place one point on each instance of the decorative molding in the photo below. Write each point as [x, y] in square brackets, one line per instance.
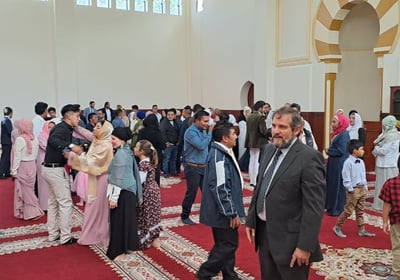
[296, 60]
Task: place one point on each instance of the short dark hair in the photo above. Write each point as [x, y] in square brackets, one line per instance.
[171, 110]
[187, 107]
[354, 144]
[200, 114]
[296, 120]
[296, 106]
[197, 107]
[7, 111]
[70, 108]
[91, 102]
[40, 108]
[221, 130]
[135, 107]
[259, 104]
[91, 115]
[51, 109]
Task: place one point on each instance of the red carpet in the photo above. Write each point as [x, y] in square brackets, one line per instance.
[24, 253]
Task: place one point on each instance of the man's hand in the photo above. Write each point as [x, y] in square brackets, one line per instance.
[234, 222]
[301, 257]
[386, 227]
[251, 233]
[112, 204]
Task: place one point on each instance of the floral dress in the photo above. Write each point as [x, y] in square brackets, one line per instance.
[149, 213]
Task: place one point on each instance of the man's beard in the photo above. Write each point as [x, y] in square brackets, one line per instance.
[284, 144]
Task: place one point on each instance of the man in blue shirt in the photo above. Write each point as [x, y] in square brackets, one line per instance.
[196, 140]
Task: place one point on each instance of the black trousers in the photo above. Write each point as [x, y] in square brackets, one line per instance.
[270, 270]
[194, 179]
[222, 255]
[5, 160]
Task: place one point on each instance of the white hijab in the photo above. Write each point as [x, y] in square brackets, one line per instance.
[353, 129]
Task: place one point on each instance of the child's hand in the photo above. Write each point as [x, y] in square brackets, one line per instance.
[386, 227]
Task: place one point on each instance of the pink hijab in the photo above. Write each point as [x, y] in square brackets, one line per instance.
[343, 124]
[25, 130]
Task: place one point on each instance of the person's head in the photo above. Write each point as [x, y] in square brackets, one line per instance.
[266, 108]
[119, 136]
[151, 121]
[154, 108]
[355, 148]
[119, 106]
[71, 114]
[339, 123]
[145, 148]
[118, 113]
[140, 115]
[101, 114]
[259, 106]
[102, 130]
[389, 123]
[187, 112]
[352, 112]
[355, 120]
[52, 112]
[8, 111]
[296, 106]
[246, 111]
[197, 107]
[41, 109]
[134, 108]
[92, 104]
[201, 119]
[25, 130]
[171, 114]
[93, 119]
[286, 126]
[225, 134]
[107, 104]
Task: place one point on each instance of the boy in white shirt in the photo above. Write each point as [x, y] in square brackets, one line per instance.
[355, 182]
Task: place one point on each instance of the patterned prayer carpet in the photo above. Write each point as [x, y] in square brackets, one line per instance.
[25, 252]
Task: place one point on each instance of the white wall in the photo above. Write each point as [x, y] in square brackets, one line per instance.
[61, 53]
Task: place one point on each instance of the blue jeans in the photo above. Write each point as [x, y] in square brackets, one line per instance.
[169, 160]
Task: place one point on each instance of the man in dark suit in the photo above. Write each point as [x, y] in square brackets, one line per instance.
[286, 209]
[6, 143]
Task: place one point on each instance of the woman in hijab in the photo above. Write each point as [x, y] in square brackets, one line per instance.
[124, 193]
[43, 189]
[386, 151]
[23, 170]
[95, 227]
[356, 128]
[151, 132]
[337, 152]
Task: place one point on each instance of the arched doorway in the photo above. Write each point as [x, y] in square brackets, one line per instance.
[247, 94]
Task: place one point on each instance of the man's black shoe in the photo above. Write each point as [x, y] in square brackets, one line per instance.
[71, 241]
[187, 221]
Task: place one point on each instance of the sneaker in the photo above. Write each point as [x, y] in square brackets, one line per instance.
[188, 221]
[338, 232]
[72, 240]
[364, 233]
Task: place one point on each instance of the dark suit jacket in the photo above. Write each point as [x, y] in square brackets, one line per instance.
[294, 203]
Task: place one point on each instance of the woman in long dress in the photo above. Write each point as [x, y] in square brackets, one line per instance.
[95, 226]
[149, 213]
[337, 152]
[23, 170]
[124, 192]
[386, 151]
[43, 188]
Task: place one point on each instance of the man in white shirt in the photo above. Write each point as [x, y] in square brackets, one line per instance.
[39, 119]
